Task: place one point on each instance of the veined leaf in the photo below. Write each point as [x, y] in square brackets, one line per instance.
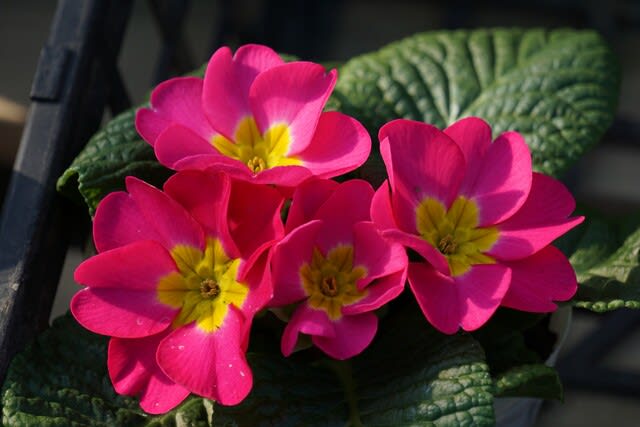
[606, 257]
[558, 88]
[110, 155]
[413, 376]
[535, 380]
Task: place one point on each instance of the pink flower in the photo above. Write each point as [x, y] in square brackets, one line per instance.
[479, 216]
[178, 277]
[256, 118]
[336, 266]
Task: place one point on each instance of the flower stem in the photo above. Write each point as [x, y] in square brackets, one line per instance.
[342, 368]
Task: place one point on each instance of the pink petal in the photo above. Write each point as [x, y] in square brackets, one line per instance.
[133, 371]
[307, 199]
[352, 335]
[294, 94]
[211, 365]
[137, 266]
[252, 59]
[118, 221]
[541, 220]
[379, 256]
[225, 97]
[172, 223]
[284, 176]
[289, 255]
[227, 82]
[350, 203]
[121, 313]
[305, 320]
[235, 168]
[539, 280]
[177, 142]
[473, 136]
[381, 211]
[466, 301]
[175, 101]
[122, 300]
[500, 191]
[421, 161]
[256, 274]
[379, 292]
[205, 195]
[258, 279]
[339, 145]
[254, 216]
[421, 246]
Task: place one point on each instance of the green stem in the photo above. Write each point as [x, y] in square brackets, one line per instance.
[342, 368]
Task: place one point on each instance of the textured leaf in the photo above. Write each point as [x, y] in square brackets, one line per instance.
[413, 376]
[110, 155]
[558, 88]
[606, 256]
[61, 380]
[529, 381]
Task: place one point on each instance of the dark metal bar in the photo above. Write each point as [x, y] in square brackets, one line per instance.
[175, 56]
[69, 95]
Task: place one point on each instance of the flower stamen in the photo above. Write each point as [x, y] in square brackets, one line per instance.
[329, 286]
[256, 164]
[204, 287]
[209, 289]
[330, 281]
[447, 245]
[455, 233]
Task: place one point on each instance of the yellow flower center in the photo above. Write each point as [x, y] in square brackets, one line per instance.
[258, 151]
[455, 233]
[330, 282]
[203, 287]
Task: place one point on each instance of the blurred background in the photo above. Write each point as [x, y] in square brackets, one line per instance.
[607, 178]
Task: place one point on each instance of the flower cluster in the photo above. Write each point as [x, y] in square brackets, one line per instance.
[181, 272]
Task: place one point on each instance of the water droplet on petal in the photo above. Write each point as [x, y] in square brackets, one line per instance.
[156, 404]
[180, 347]
[139, 321]
[231, 365]
[241, 374]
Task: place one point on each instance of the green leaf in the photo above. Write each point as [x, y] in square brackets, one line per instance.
[411, 375]
[558, 88]
[61, 380]
[535, 380]
[110, 155]
[415, 375]
[606, 257]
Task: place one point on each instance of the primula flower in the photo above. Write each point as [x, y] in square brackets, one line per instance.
[336, 266]
[176, 282]
[254, 117]
[479, 216]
